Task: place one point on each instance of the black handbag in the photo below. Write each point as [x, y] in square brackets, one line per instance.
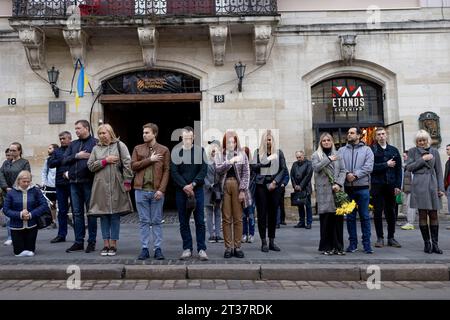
[191, 203]
[299, 198]
[216, 194]
[45, 219]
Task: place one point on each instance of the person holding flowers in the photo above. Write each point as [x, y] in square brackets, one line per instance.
[329, 176]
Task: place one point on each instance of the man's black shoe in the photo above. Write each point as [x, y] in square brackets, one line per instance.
[76, 247]
[278, 226]
[158, 254]
[299, 225]
[238, 253]
[90, 247]
[58, 239]
[308, 226]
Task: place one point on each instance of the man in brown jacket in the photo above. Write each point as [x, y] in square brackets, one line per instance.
[151, 163]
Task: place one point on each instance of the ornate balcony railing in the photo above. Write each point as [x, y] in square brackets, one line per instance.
[138, 8]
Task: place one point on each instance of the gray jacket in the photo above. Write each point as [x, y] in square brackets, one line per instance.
[358, 159]
[324, 191]
[427, 179]
[210, 180]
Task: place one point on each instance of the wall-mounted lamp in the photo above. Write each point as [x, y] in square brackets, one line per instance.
[53, 75]
[240, 72]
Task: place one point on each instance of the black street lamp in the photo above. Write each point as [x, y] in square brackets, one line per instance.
[53, 75]
[240, 71]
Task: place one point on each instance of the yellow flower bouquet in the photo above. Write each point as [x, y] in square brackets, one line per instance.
[341, 200]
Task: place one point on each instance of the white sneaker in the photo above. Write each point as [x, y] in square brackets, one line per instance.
[251, 239]
[7, 243]
[202, 255]
[186, 254]
[244, 238]
[29, 253]
[407, 226]
[22, 254]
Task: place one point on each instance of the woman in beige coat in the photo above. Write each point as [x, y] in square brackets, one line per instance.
[110, 160]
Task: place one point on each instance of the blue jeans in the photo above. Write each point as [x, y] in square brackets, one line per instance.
[150, 216]
[361, 198]
[248, 220]
[62, 197]
[199, 217]
[80, 196]
[301, 212]
[213, 219]
[110, 224]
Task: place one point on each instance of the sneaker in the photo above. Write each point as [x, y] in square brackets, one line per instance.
[58, 239]
[327, 253]
[29, 253]
[186, 254]
[212, 239]
[104, 251]
[351, 249]
[368, 251]
[407, 226]
[22, 254]
[238, 253]
[393, 243]
[112, 251]
[76, 247]
[144, 254]
[228, 253]
[219, 239]
[339, 252]
[250, 239]
[8, 243]
[90, 247]
[244, 239]
[379, 243]
[202, 255]
[158, 254]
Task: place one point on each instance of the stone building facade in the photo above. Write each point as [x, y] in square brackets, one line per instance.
[300, 59]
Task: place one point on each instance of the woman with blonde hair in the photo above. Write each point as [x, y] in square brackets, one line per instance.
[110, 160]
[233, 168]
[427, 187]
[269, 165]
[24, 204]
[329, 177]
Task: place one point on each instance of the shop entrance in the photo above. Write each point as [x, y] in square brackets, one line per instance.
[128, 119]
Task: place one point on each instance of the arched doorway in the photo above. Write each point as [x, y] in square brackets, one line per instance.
[343, 102]
[167, 98]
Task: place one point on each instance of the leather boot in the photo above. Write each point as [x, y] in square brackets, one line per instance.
[434, 239]
[264, 247]
[272, 245]
[426, 238]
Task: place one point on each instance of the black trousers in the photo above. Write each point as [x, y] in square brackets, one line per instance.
[383, 197]
[24, 239]
[331, 232]
[282, 210]
[267, 203]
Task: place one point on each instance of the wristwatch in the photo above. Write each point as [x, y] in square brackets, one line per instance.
[194, 184]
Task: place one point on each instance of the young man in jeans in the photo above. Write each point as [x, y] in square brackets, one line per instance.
[188, 168]
[358, 160]
[151, 163]
[81, 179]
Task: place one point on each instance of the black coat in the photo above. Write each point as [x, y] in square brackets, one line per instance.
[55, 161]
[276, 168]
[78, 170]
[301, 175]
[382, 173]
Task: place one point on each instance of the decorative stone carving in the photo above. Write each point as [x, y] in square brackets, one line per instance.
[33, 42]
[148, 38]
[76, 40]
[429, 121]
[262, 34]
[218, 35]
[348, 48]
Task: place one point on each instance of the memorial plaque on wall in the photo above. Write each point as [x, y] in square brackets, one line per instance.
[57, 112]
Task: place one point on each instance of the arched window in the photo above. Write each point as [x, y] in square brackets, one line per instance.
[347, 100]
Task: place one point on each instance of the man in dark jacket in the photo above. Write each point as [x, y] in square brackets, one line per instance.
[62, 184]
[81, 179]
[386, 184]
[188, 169]
[281, 212]
[301, 174]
